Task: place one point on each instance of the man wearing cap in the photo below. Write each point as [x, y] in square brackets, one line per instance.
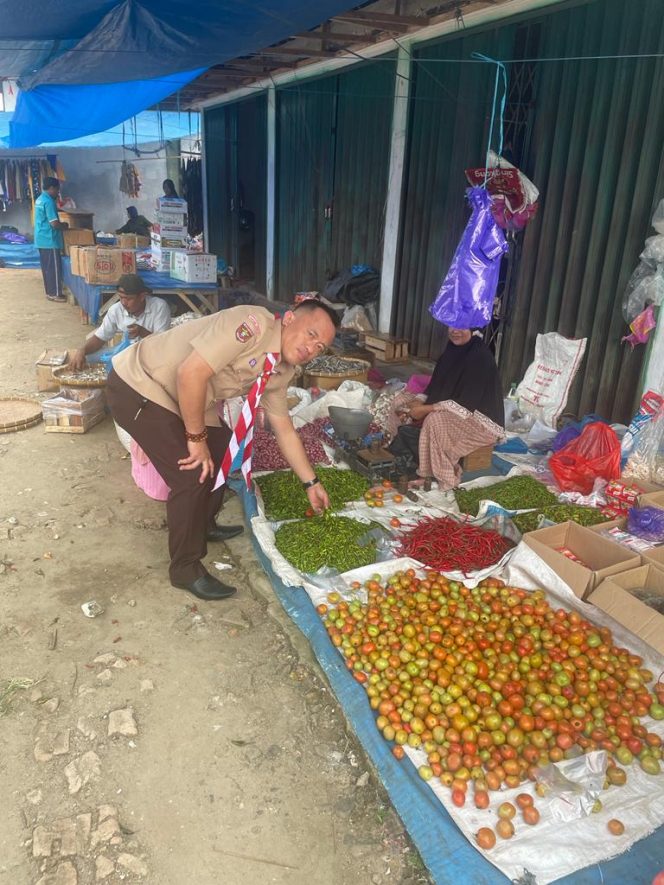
[137, 312]
[164, 392]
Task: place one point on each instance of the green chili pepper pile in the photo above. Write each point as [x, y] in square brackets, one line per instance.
[325, 541]
[528, 522]
[517, 493]
[285, 498]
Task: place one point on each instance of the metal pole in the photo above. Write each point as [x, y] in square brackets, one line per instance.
[394, 188]
[271, 191]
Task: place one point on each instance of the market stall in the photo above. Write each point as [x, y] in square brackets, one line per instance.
[201, 298]
[444, 847]
[497, 648]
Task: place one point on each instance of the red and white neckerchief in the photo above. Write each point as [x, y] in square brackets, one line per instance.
[244, 429]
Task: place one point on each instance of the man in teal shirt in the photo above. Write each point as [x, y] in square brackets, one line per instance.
[48, 238]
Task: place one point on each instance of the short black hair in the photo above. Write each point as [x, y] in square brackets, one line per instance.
[314, 304]
[50, 182]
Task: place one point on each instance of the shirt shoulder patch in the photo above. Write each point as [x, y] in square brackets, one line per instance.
[253, 324]
[243, 333]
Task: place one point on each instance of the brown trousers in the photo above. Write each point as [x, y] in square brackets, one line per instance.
[191, 506]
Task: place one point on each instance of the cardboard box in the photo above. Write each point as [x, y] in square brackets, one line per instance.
[162, 259]
[167, 242]
[133, 241]
[616, 531]
[104, 265]
[172, 218]
[600, 558]
[615, 596]
[654, 556]
[75, 237]
[75, 258]
[171, 204]
[652, 499]
[169, 231]
[194, 267]
[49, 360]
[74, 410]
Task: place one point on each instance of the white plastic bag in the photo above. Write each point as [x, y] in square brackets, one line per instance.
[658, 218]
[356, 317]
[545, 386]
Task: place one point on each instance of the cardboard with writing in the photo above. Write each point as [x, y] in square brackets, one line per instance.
[104, 265]
[615, 596]
[600, 558]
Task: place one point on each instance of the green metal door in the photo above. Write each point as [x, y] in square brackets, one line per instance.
[332, 164]
[304, 178]
[594, 152]
[235, 143]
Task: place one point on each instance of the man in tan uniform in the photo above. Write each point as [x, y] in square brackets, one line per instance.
[164, 393]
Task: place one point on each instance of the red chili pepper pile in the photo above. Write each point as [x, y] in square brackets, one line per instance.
[447, 545]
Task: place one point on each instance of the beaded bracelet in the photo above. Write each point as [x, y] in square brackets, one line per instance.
[196, 437]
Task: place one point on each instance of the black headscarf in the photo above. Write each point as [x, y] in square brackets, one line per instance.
[467, 374]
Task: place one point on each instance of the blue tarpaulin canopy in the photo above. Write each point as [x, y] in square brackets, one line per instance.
[74, 58]
[147, 127]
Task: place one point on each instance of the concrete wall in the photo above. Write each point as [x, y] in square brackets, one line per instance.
[94, 185]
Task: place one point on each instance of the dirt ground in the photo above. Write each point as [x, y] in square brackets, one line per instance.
[167, 741]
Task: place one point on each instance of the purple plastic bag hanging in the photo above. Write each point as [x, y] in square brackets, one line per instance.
[465, 299]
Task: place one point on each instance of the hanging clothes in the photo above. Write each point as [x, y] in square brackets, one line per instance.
[21, 178]
[192, 191]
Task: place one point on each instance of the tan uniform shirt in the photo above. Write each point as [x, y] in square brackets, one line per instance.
[232, 342]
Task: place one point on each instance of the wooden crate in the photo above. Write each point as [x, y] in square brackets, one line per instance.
[480, 459]
[77, 219]
[386, 347]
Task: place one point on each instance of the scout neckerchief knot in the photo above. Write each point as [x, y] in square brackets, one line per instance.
[244, 429]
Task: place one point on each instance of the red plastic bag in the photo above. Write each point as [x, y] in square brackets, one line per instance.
[596, 452]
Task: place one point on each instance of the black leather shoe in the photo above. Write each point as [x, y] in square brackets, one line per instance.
[207, 587]
[224, 532]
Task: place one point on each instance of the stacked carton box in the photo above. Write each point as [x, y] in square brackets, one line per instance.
[169, 234]
[194, 267]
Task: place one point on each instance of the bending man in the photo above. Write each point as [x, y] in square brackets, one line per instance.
[164, 393]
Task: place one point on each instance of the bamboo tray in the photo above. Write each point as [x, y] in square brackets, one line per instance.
[93, 376]
[18, 413]
[332, 380]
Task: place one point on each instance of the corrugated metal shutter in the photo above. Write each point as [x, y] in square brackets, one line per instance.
[236, 167]
[217, 162]
[363, 126]
[450, 109]
[332, 163]
[305, 146]
[597, 158]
